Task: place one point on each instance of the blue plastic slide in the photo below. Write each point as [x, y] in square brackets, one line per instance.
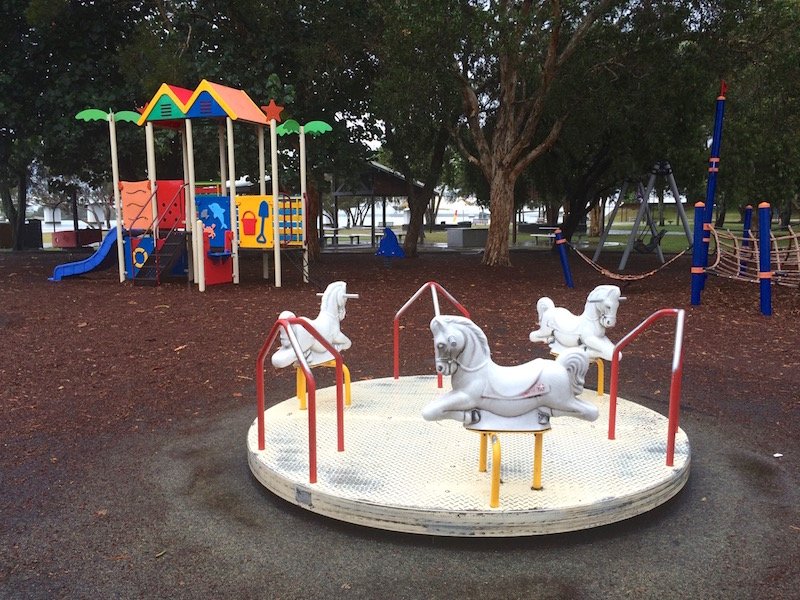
[102, 258]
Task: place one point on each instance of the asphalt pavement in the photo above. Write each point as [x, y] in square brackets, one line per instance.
[177, 514]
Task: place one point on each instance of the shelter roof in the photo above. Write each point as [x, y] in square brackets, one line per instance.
[377, 180]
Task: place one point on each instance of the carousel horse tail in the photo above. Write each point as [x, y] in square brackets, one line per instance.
[576, 364]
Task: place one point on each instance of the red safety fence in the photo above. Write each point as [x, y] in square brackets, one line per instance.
[436, 289]
[675, 383]
[285, 324]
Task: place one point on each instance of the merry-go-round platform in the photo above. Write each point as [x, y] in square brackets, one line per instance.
[402, 473]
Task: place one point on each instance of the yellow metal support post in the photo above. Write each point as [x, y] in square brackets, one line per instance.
[537, 460]
[301, 384]
[494, 499]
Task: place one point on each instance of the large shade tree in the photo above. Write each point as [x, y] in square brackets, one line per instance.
[415, 97]
[760, 153]
[508, 67]
[640, 91]
[58, 59]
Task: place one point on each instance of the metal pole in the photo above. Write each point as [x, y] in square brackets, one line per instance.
[713, 161]
[151, 175]
[276, 234]
[234, 220]
[303, 200]
[747, 235]
[262, 190]
[562, 253]
[194, 231]
[698, 249]
[635, 230]
[607, 230]
[764, 253]
[112, 134]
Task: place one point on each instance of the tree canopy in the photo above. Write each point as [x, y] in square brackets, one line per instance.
[556, 100]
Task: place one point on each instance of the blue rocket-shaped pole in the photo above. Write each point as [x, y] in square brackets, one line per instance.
[713, 163]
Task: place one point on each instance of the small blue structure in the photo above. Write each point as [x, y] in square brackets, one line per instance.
[389, 247]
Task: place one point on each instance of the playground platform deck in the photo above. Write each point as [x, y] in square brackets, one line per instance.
[401, 473]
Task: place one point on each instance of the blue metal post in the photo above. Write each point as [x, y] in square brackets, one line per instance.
[747, 235]
[699, 252]
[713, 163]
[764, 253]
[562, 252]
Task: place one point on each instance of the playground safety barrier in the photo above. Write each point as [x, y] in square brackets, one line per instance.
[311, 384]
[675, 383]
[435, 290]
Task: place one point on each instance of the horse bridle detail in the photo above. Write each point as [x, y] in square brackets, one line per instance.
[450, 359]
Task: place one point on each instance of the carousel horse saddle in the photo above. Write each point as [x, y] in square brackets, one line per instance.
[518, 381]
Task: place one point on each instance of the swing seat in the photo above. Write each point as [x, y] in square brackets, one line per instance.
[655, 240]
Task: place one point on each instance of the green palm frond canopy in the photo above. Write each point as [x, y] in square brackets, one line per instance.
[317, 127]
[92, 114]
[290, 126]
[127, 115]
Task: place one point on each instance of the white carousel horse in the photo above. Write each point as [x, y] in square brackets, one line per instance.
[487, 396]
[327, 323]
[564, 331]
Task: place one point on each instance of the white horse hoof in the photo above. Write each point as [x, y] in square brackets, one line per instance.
[544, 416]
[472, 416]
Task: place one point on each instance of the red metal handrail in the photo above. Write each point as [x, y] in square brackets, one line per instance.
[285, 324]
[434, 287]
[675, 383]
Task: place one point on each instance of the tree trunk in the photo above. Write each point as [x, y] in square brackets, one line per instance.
[16, 214]
[721, 210]
[786, 212]
[501, 190]
[417, 204]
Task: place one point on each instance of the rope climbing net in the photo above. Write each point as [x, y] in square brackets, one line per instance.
[737, 257]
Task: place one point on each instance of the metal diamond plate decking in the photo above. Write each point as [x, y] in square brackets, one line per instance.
[402, 473]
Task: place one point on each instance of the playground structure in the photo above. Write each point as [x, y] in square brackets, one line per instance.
[201, 228]
[490, 397]
[766, 259]
[591, 477]
[644, 217]
[739, 257]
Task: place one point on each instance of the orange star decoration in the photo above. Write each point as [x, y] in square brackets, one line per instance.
[273, 111]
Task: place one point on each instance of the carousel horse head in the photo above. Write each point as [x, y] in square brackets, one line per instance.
[334, 300]
[458, 343]
[604, 301]
[327, 324]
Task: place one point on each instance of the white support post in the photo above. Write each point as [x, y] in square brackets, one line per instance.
[198, 244]
[262, 162]
[191, 215]
[223, 165]
[187, 201]
[303, 196]
[234, 219]
[276, 236]
[112, 134]
[151, 173]
[262, 189]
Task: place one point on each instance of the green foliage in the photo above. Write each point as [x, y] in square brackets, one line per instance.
[640, 87]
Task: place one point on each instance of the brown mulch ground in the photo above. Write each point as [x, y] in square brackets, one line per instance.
[100, 357]
[88, 362]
